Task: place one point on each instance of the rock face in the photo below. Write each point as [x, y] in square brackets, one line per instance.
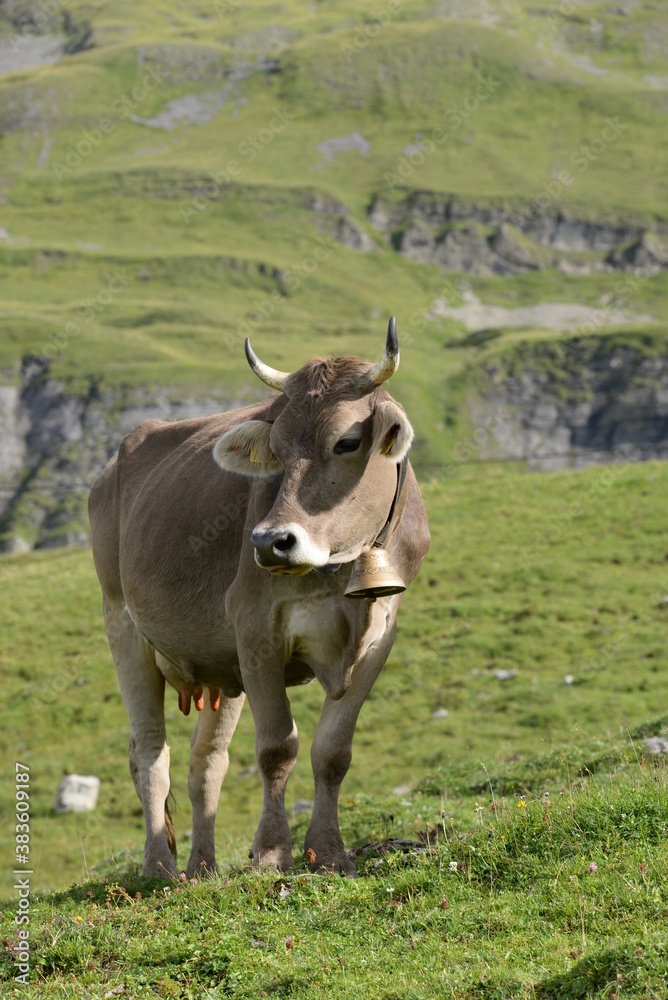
[54, 444]
[489, 239]
[595, 403]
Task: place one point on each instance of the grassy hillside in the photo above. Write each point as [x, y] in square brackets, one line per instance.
[169, 186]
[537, 824]
[544, 896]
[550, 576]
[165, 246]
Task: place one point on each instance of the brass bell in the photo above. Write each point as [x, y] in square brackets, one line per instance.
[373, 576]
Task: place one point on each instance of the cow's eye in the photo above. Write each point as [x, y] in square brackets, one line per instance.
[347, 445]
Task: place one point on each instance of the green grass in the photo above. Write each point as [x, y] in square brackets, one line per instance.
[542, 897]
[550, 576]
[196, 278]
[547, 575]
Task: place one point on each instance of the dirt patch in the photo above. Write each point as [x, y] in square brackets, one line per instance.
[332, 147]
[543, 316]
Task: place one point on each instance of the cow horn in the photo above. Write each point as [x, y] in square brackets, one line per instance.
[270, 376]
[387, 367]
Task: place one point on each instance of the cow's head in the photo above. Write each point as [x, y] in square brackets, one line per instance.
[336, 442]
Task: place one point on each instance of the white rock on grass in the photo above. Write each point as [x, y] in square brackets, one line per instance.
[656, 744]
[440, 713]
[344, 144]
[505, 675]
[77, 793]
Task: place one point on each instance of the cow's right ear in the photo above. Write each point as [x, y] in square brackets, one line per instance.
[246, 449]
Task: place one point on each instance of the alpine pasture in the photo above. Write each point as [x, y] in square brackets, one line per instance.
[177, 177]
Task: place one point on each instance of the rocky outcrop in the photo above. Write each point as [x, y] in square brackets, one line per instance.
[490, 239]
[349, 234]
[573, 403]
[54, 443]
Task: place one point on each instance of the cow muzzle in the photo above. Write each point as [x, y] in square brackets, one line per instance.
[287, 549]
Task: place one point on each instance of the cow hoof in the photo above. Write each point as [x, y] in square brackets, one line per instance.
[202, 869]
[278, 860]
[341, 865]
[165, 869]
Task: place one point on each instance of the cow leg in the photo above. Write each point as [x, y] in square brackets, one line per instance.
[208, 766]
[331, 753]
[143, 692]
[276, 745]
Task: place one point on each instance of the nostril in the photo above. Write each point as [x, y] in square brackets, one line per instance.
[285, 543]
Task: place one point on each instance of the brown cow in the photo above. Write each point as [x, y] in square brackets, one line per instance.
[224, 546]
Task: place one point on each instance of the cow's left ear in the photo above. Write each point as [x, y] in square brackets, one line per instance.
[392, 433]
[246, 449]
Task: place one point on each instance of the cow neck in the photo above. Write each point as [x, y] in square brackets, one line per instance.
[381, 538]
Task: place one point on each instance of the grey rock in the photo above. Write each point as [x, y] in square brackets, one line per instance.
[13, 425]
[26, 50]
[420, 147]
[14, 545]
[648, 254]
[350, 235]
[500, 240]
[467, 250]
[63, 541]
[440, 713]
[77, 793]
[505, 675]
[597, 405]
[191, 109]
[506, 244]
[326, 205]
[331, 148]
[380, 215]
[417, 242]
[656, 745]
[54, 444]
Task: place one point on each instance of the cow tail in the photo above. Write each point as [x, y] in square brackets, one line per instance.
[169, 826]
